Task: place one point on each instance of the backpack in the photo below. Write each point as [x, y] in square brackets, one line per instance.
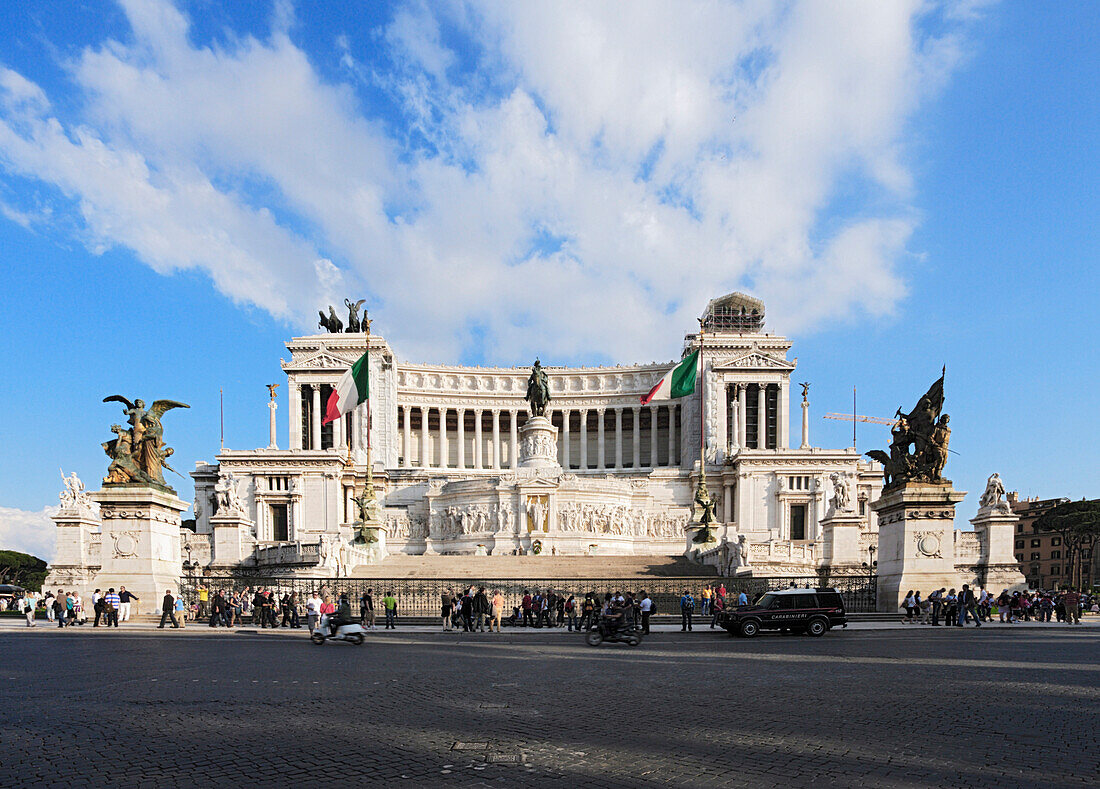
[652, 606]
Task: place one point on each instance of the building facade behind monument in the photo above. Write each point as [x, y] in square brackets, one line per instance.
[445, 446]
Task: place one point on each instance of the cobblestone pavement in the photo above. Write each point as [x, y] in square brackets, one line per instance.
[893, 708]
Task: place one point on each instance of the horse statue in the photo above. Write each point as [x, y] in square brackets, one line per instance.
[538, 390]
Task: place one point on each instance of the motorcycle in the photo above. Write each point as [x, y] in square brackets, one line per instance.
[612, 634]
[351, 632]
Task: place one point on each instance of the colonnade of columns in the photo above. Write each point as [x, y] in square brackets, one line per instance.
[759, 434]
[308, 433]
[597, 438]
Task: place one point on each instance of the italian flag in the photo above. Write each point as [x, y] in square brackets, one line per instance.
[677, 382]
[350, 392]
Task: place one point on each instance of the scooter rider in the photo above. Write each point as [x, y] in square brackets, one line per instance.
[342, 615]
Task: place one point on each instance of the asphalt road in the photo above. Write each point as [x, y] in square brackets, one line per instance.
[894, 708]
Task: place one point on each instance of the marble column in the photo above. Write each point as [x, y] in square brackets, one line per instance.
[735, 419]
[805, 425]
[761, 416]
[636, 442]
[513, 454]
[294, 412]
[565, 439]
[444, 449]
[671, 435]
[271, 443]
[654, 455]
[743, 414]
[338, 431]
[406, 450]
[618, 438]
[496, 437]
[783, 427]
[315, 418]
[425, 449]
[477, 439]
[462, 438]
[601, 452]
[727, 504]
[584, 438]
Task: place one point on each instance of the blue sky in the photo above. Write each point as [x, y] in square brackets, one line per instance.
[905, 184]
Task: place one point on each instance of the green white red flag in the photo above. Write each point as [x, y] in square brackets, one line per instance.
[677, 382]
[353, 390]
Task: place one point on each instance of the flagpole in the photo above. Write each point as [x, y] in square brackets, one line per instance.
[702, 411]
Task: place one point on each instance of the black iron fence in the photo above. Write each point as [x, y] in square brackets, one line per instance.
[422, 596]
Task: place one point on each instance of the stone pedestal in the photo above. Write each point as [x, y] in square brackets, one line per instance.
[78, 550]
[141, 542]
[996, 530]
[538, 444]
[915, 540]
[231, 539]
[840, 540]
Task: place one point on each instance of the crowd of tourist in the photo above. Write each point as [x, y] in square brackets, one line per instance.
[959, 608]
[477, 609]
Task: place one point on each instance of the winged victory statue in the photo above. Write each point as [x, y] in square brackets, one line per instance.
[138, 453]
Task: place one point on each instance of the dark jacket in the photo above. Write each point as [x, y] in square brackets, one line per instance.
[168, 603]
[481, 603]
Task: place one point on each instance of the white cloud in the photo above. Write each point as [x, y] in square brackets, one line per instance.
[28, 532]
[581, 191]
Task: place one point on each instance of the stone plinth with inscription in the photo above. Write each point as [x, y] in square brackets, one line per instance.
[915, 540]
[140, 542]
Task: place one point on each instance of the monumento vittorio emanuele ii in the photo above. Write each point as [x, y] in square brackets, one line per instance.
[690, 460]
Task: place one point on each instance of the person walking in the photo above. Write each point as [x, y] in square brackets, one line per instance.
[179, 612]
[481, 609]
[97, 606]
[30, 603]
[446, 606]
[717, 606]
[59, 608]
[968, 604]
[498, 610]
[389, 602]
[935, 599]
[110, 607]
[125, 598]
[588, 612]
[526, 604]
[167, 606]
[1072, 602]
[570, 609]
[687, 609]
[313, 612]
[646, 607]
[909, 604]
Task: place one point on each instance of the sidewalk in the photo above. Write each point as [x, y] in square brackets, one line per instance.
[149, 627]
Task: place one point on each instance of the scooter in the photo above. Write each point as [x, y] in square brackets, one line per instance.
[351, 632]
[612, 635]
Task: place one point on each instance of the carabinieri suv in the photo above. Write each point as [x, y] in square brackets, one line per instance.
[811, 611]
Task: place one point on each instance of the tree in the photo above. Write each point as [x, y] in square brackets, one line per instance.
[22, 569]
[1079, 524]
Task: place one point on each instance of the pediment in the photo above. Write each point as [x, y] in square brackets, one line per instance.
[754, 360]
[323, 360]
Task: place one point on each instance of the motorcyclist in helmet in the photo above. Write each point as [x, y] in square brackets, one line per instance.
[342, 615]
